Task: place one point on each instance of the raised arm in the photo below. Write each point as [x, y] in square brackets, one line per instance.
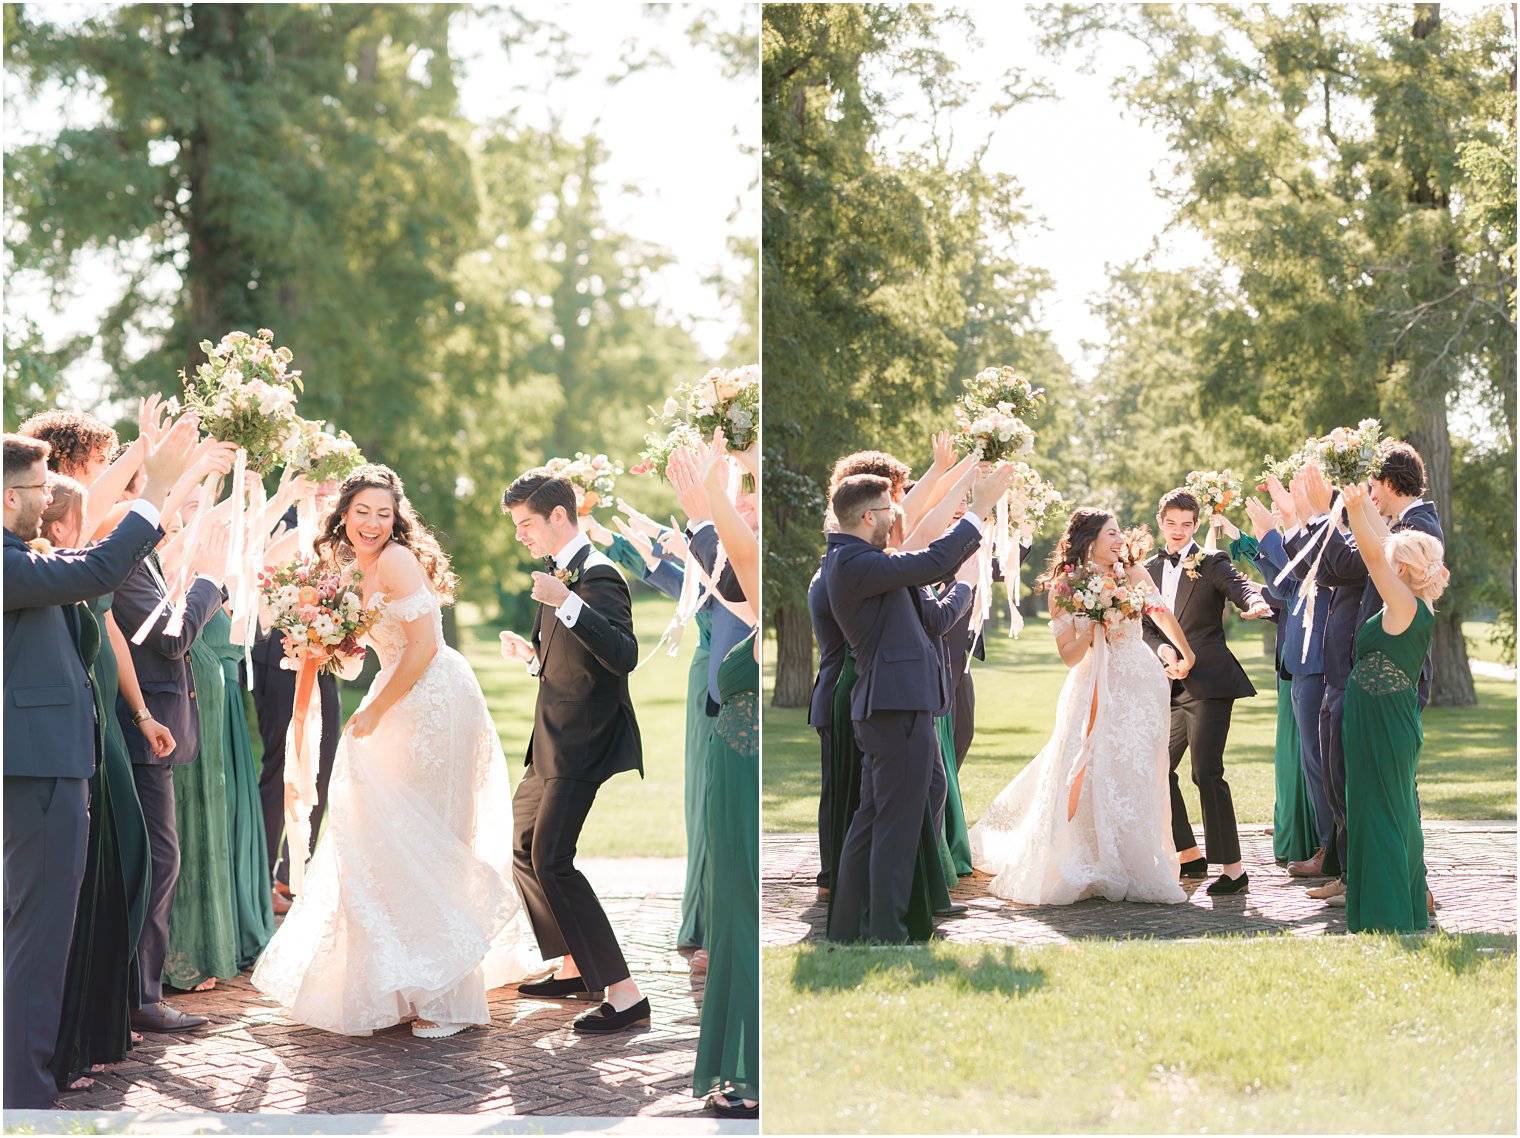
[917, 502]
[1399, 600]
[35, 580]
[953, 490]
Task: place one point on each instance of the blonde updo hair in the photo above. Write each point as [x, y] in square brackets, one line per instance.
[1420, 557]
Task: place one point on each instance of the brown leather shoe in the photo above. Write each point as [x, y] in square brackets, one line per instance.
[280, 901]
[1326, 891]
[1430, 903]
[1313, 867]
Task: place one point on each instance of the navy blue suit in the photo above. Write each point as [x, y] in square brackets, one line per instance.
[831, 650]
[51, 748]
[162, 663]
[901, 685]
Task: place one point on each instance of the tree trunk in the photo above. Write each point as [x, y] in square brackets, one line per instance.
[794, 657]
[1452, 683]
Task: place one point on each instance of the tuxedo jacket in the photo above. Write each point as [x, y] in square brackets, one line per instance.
[878, 601]
[162, 662]
[1272, 558]
[583, 722]
[831, 650]
[1216, 674]
[50, 717]
[944, 612]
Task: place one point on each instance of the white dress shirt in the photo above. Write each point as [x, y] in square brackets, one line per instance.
[1171, 576]
[569, 609]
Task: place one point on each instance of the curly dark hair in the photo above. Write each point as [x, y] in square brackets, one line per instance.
[407, 529]
[1082, 529]
[871, 462]
[1403, 469]
[74, 436]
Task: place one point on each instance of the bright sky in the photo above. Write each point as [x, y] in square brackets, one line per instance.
[1085, 165]
[673, 131]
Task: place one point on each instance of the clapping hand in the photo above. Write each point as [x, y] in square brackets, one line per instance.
[1316, 488]
[514, 647]
[639, 541]
[943, 450]
[641, 522]
[684, 474]
[989, 488]
[1261, 517]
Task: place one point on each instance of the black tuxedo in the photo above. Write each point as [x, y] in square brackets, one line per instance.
[831, 650]
[51, 747]
[584, 732]
[901, 685]
[163, 672]
[1202, 703]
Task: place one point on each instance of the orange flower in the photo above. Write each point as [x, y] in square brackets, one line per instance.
[308, 596]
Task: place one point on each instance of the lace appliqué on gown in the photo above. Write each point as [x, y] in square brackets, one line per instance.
[409, 905]
[1118, 845]
[1377, 675]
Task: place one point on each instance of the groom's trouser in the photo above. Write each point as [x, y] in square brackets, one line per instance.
[875, 881]
[547, 816]
[1308, 694]
[1200, 728]
[1334, 756]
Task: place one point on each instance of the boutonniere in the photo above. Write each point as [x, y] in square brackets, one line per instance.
[1191, 562]
[568, 577]
[41, 545]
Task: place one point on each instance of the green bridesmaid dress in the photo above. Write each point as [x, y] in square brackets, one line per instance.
[699, 744]
[1382, 737]
[957, 840]
[252, 905]
[100, 983]
[1294, 835]
[728, 1043]
[203, 940]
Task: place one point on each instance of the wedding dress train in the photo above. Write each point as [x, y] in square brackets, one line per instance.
[409, 906]
[1118, 844]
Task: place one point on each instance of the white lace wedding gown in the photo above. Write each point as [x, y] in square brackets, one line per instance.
[1119, 844]
[409, 906]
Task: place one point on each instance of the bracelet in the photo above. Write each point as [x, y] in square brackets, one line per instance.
[140, 716]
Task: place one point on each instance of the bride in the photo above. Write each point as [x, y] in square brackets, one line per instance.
[409, 908]
[1090, 815]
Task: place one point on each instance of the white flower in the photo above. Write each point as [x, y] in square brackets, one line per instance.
[289, 595]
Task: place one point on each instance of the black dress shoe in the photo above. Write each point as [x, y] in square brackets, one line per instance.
[606, 1019]
[731, 1106]
[956, 909]
[1198, 868]
[161, 1017]
[558, 989]
[1227, 885]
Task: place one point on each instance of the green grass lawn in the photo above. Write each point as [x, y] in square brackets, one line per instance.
[1467, 771]
[632, 817]
[1357, 1034]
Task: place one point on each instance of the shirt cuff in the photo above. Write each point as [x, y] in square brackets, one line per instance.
[973, 519]
[151, 513]
[694, 528]
[208, 577]
[569, 610]
[534, 666]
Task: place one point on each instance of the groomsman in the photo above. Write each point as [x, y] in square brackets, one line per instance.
[901, 685]
[831, 650]
[1195, 587]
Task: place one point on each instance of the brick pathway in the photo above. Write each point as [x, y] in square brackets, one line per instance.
[528, 1062]
[1471, 864]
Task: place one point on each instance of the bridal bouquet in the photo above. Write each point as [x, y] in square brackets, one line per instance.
[991, 416]
[322, 456]
[245, 395]
[1348, 455]
[1281, 469]
[1104, 597]
[1031, 500]
[727, 399]
[593, 477]
[1214, 489]
[320, 614]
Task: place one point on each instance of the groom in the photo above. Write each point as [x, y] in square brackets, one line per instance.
[1195, 586]
[584, 732]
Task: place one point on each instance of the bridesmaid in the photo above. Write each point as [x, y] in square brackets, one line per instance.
[1382, 735]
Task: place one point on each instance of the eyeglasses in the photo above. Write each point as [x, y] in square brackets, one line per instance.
[29, 486]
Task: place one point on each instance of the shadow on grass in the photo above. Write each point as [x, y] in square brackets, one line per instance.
[830, 967]
[1459, 953]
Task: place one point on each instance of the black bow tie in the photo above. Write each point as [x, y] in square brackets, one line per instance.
[1171, 558]
[549, 563]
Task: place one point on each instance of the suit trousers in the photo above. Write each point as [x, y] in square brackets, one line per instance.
[1334, 755]
[899, 751]
[825, 806]
[47, 824]
[1308, 695]
[547, 816]
[963, 717]
[274, 698]
[155, 790]
[1201, 727]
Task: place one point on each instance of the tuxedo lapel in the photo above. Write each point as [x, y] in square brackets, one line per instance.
[548, 623]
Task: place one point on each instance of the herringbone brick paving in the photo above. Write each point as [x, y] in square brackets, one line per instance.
[250, 1058]
[1471, 872]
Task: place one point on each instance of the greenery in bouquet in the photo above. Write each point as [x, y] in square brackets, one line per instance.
[993, 435]
[1003, 389]
[593, 477]
[1104, 597]
[319, 613]
[1350, 454]
[322, 456]
[245, 395]
[659, 447]
[1214, 489]
[1031, 500]
[727, 399]
[1282, 469]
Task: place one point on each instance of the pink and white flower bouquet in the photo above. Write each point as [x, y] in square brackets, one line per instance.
[246, 395]
[1350, 454]
[322, 456]
[1126, 593]
[1214, 489]
[321, 615]
[1031, 501]
[593, 476]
